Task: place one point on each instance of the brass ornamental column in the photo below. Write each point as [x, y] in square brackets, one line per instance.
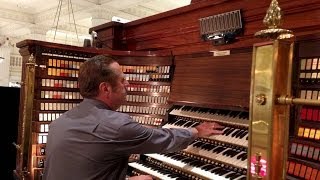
[269, 120]
[23, 170]
[268, 138]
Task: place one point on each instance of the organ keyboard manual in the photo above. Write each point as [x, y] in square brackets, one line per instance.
[216, 157]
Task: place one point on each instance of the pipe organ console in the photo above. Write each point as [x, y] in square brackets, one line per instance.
[247, 90]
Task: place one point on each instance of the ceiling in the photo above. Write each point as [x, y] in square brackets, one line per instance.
[22, 19]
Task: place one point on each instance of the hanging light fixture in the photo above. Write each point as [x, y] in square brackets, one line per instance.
[57, 19]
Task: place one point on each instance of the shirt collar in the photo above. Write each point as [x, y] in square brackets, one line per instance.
[96, 102]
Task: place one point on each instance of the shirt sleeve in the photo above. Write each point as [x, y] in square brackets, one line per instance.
[138, 139]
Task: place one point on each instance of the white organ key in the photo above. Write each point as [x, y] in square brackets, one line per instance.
[149, 171]
[222, 137]
[241, 177]
[186, 167]
[234, 140]
[209, 116]
[167, 160]
[217, 156]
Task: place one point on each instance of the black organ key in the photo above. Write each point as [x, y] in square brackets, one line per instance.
[197, 163]
[207, 167]
[180, 122]
[198, 144]
[212, 111]
[223, 112]
[244, 115]
[234, 114]
[230, 175]
[219, 149]
[186, 108]
[195, 109]
[189, 124]
[244, 134]
[228, 152]
[208, 146]
[195, 124]
[235, 176]
[239, 133]
[236, 152]
[223, 171]
[216, 170]
[172, 120]
[203, 110]
[177, 107]
[225, 130]
[235, 132]
[230, 131]
[244, 157]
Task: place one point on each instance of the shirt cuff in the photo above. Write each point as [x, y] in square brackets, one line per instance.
[194, 132]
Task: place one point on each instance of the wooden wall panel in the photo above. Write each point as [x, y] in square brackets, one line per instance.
[309, 48]
[213, 81]
[178, 29]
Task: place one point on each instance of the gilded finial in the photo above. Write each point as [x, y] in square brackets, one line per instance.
[31, 59]
[273, 16]
[273, 20]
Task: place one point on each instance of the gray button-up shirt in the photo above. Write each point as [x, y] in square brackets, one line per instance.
[93, 142]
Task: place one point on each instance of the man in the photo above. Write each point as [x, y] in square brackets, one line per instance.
[93, 141]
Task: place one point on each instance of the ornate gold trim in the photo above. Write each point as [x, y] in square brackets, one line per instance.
[273, 20]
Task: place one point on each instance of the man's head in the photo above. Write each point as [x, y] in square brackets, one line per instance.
[101, 78]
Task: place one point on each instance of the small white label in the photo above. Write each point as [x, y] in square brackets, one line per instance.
[221, 53]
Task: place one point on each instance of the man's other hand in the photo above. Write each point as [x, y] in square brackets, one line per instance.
[141, 177]
[207, 129]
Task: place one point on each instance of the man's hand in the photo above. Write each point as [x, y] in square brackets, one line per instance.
[134, 157]
[207, 129]
[141, 177]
